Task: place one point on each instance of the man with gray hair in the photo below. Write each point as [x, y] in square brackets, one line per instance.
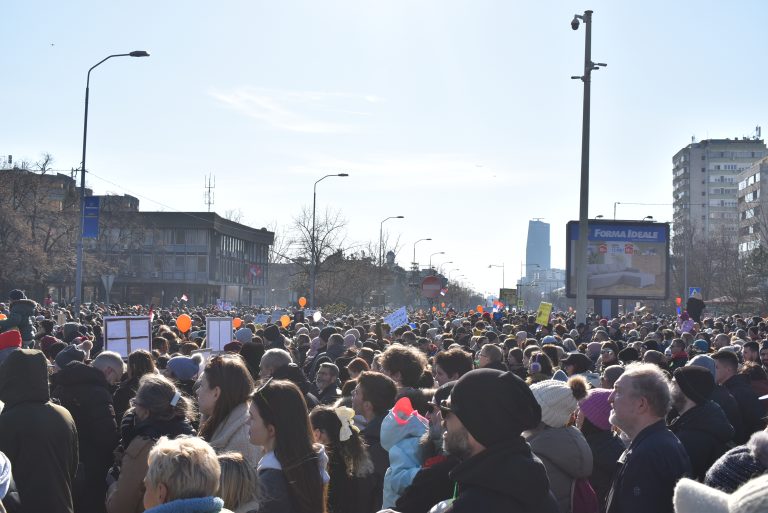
[655, 458]
[111, 364]
[271, 360]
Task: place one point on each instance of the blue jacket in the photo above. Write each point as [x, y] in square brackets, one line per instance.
[402, 444]
[194, 505]
[647, 472]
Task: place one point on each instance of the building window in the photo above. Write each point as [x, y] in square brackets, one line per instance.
[202, 264]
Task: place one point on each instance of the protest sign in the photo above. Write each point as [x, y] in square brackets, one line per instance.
[542, 315]
[218, 332]
[126, 334]
[397, 318]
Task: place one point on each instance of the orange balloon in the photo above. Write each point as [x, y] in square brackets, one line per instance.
[237, 322]
[479, 308]
[3, 317]
[285, 321]
[302, 301]
[183, 322]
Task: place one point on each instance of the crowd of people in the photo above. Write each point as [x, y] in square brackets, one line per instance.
[453, 411]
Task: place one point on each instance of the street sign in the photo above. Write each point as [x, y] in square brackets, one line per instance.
[693, 290]
[520, 303]
[508, 296]
[107, 280]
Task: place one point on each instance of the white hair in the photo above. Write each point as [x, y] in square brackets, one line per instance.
[110, 359]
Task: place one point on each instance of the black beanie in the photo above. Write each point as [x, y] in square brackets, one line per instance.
[16, 295]
[696, 382]
[272, 333]
[326, 333]
[494, 406]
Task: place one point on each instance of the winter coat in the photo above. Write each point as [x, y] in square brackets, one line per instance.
[379, 456]
[84, 391]
[401, 441]
[348, 494]
[740, 464]
[127, 494]
[606, 451]
[760, 387]
[505, 478]
[704, 431]
[21, 315]
[329, 394]
[566, 456]
[752, 412]
[274, 490]
[727, 403]
[193, 505]
[37, 436]
[647, 472]
[233, 435]
[430, 486]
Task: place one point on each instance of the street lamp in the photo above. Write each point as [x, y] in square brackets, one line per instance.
[581, 246]
[503, 280]
[79, 265]
[433, 254]
[451, 271]
[415, 265]
[313, 248]
[381, 248]
[648, 218]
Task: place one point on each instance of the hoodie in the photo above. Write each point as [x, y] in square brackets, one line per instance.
[400, 438]
[39, 437]
[21, 314]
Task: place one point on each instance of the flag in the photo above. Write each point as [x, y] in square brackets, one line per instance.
[184, 297]
[443, 291]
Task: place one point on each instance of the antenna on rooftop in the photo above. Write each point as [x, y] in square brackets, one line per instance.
[210, 184]
[758, 132]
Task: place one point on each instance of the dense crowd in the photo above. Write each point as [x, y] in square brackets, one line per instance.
[453, 411]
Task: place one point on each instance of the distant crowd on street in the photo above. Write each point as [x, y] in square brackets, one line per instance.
[447, 410]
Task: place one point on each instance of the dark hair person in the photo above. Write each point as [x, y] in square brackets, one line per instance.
[222, 396]
[292, 472]
[349, 466]
[140, 362]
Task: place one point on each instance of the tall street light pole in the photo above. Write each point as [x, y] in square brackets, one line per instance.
[381, 250]
[313, 242]
[503, 280]
[415, 264]
[79, 265]
[433, 254]
[581, 246]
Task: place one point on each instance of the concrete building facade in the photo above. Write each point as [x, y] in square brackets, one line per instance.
[752, 207]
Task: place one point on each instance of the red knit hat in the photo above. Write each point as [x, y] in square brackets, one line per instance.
[596, 408]
[10, 338]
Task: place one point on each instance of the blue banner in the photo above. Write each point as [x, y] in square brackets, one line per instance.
[636, 232]
[91, 217]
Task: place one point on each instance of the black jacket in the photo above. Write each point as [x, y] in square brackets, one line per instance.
[606, 451]
[704, 431]
[430, 486]
[506, 478]
[123, 395]
[647, 472]
[84, 391]
[727, 403]
[293, 373]
[20, 315]
[751, 410]
[329, 394]
[39, 437]
[379, 457]
[347, 494]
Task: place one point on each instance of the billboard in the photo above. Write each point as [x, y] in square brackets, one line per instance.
[625, 259]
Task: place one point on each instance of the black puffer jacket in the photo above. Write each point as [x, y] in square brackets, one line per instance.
[84, 391]
[20, 315]
[705, 432]
[506, 478]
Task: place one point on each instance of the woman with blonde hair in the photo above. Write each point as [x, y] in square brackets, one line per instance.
[237, 487]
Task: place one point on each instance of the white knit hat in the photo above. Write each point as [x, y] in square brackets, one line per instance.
[694, 497]
[558, 400]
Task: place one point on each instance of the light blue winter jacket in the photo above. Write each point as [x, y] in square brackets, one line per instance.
[402, 443]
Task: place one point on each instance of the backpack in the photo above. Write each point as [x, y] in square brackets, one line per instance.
[583, 497]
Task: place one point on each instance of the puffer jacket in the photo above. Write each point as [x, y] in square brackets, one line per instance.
[20, 315]
[566, 455]
[400, 438]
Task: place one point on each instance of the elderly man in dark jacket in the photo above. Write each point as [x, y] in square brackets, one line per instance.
[39, 437]
[85, 390]
[701, 426]
[655, 460]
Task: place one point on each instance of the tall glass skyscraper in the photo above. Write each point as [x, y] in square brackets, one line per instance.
[537, 249]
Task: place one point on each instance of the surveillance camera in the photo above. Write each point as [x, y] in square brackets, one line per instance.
[575, 23]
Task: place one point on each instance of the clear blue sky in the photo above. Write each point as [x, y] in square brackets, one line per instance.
[459, 115]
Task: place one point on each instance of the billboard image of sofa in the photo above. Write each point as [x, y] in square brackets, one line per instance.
[625, 259]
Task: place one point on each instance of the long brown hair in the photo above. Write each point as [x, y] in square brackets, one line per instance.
[281, 405]
[229, 373]
[353, 451]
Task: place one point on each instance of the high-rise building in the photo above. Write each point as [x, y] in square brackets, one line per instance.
[705, 179]
[753, 207]
[537, 249]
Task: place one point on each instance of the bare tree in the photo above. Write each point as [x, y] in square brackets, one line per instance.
[234, 214]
